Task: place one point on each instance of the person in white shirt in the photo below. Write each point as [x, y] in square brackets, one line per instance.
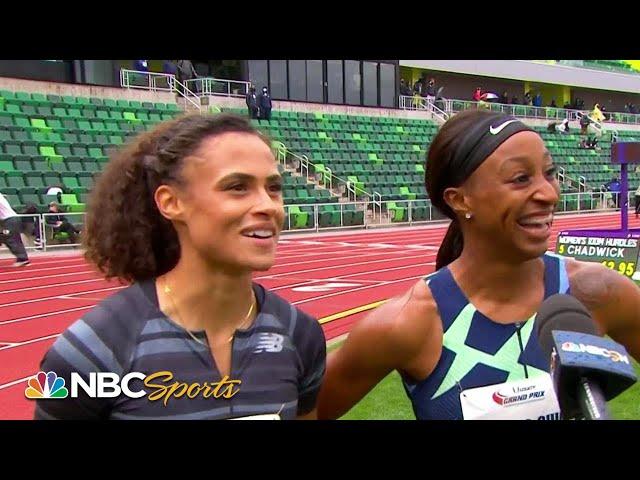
[10, 228]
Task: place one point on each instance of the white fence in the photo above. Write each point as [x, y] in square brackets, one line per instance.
[327, 216]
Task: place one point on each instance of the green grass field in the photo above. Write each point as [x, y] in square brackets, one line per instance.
[389, 402]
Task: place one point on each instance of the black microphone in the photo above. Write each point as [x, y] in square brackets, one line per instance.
[587, 370]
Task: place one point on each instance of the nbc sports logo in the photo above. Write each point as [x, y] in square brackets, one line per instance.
[46, 385]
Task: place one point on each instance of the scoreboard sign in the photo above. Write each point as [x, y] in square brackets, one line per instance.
[617, 253]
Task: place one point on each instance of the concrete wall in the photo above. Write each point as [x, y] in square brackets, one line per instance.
[231, 102]
[19, 85]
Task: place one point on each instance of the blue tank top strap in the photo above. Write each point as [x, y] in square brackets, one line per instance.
[556, 278]
[491, 349]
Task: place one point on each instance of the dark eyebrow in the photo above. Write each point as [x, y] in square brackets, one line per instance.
[521, 159]
[244, 177]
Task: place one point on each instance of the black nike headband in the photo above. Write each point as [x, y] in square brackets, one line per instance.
[480, 142]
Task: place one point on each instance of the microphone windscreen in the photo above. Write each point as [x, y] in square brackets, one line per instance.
[562, 312]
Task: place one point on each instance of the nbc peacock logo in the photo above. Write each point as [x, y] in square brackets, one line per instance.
[46, 385]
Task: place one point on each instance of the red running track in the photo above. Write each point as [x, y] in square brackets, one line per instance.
[323, 274]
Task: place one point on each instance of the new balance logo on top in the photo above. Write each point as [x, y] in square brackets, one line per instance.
[269, 342]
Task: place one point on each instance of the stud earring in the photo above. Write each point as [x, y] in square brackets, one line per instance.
[468, 215]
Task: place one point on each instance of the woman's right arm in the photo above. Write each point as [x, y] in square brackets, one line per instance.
[391, 338]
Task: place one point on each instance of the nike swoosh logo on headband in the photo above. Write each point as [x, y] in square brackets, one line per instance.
[499, 128]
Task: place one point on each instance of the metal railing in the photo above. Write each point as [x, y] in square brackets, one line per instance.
[157, 82]
[421, 103]
[421, 211]
[582, 184]
[52, 237]
[326, 216]
[451, 106]
[32, 231]
[370, 213]
[218, 86]
[326, 177]
[185, 93]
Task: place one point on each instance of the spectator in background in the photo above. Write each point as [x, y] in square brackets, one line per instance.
[169, 67]
[56, 190]
[264, 103]
[185, 71]
[31, 225]
[477, 94]
[567, 106]
[252, 102]
[527, 99]
[614, 187]
[515, 101]
[553, 103]
[504, 98]
[417, 87]
[10, 229]
[60, 223]
[562, 127]
[596, 114]
[404, 88]
[537, 100]
[589, 143]
[584, 124]
[430, 91]
[638, 201]
[141, 65]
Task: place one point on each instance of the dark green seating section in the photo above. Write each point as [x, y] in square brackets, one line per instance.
[48, 140]
[377, 154]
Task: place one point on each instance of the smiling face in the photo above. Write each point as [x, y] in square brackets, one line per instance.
[512, 196]
[228, 206]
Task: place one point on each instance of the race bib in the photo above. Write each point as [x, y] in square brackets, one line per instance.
[529, 399]
[266, 416]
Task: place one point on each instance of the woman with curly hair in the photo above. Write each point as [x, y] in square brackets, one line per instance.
[185, 214]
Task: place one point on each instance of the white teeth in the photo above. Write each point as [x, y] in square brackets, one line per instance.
[538, 222]
[260, 234]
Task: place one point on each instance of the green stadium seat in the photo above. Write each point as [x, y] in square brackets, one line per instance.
[23, 165]
[89, 114]
[74, 166]
[51, 179]
[58, 166]
[34, 179]
[84, 125]
[70, 180]
[6, 166]
[48, 151]
[130, 116]
[68, 199]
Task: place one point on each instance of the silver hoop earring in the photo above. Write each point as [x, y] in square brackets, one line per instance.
[468, 215]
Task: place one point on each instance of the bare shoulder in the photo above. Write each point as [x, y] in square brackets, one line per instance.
[613, 299]
[403, 322]
[592, 283]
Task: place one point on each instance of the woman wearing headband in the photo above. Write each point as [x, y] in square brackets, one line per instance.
[469, 325]
[185, 214]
